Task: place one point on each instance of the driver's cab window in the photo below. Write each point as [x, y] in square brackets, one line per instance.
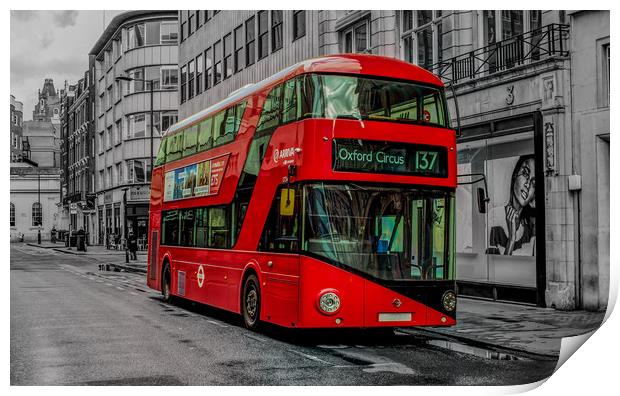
[282, 229]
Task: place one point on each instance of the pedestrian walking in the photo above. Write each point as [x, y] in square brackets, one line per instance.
[133, 246]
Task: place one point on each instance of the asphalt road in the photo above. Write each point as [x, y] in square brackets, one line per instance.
[74, 325]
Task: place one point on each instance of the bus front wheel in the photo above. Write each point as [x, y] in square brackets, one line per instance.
[165, 283]
[251, 302]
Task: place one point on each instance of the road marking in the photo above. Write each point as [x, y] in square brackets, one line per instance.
[313, 358]
[119, 288]
[255, 337]
[109, 284]
[217, 323]
[133, 294]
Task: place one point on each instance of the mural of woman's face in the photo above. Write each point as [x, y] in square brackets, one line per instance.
[523, 186]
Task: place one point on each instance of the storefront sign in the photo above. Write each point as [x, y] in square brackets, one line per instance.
[389, 157]
[202, 179]
[141, 193]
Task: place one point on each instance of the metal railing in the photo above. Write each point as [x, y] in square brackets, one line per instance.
[544, 42]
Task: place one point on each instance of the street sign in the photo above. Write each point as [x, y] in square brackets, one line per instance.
[141, 193]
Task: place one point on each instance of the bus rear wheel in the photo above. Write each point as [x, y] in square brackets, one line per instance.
[165, 283]
[250, 304]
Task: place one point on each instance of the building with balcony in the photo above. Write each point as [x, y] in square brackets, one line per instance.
[518, 78]
[77, 156]
[142, 46]
[17, 119]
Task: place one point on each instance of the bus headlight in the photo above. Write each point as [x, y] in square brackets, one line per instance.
[329, 302]
[449, 301]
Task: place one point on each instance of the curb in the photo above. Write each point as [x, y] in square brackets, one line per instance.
[42, 247]
[480, 344]
[128, 268]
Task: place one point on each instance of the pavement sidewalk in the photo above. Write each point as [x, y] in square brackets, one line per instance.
[536, 331]
[115, 258]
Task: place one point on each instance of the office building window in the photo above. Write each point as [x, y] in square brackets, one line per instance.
[198, 21]
[191, 23]
[422, 37]
[168, 118]
[169, 77]
[109, 177]
[228, 64]
[12, 215]
[109, 138]
[137, 171]
[136, 125]
[119, 174]
[356, 38]
[190, 79]
[238, 48]
[276, 30]
[208, 68]
[183, 84]
[250, 41]
[37, 214]
[199, 73]
[119, 132]
[101, 142]
[263, 34]
[169, 32]
[217, 60]
[299, 24]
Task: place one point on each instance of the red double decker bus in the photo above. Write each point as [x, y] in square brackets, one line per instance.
[320, 197]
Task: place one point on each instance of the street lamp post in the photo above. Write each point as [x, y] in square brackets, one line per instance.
[125, 224]
[39, 205]
[151, 83]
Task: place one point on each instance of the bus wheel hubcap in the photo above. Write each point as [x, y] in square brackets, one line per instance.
[250, 303]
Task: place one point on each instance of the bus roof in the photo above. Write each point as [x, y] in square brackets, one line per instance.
[370, 65]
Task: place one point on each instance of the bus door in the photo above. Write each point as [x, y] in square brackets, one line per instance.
[280, 262]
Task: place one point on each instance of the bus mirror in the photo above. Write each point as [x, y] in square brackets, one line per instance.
[482, 200]
[287, 202]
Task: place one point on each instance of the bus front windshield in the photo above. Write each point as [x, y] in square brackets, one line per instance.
[389, 233]
[364, 98]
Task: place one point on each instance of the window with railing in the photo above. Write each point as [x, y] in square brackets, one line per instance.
[534, 45]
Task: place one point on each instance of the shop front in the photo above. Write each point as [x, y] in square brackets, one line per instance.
[137, 212]
[500, 211]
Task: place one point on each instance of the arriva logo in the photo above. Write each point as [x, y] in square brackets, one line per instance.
[283, 154]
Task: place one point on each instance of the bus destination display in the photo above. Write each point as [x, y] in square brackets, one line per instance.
[351, 155]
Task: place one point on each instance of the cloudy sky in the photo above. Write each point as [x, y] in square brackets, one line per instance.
[51, 44]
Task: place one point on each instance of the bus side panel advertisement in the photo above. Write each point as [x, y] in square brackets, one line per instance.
[202, 179]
